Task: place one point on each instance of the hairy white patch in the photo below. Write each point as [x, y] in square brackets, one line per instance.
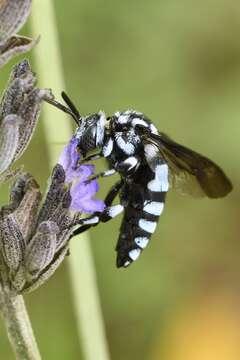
[79, 132]
[100, 128]
[151, 151]
[107, 148]
[153, 207]
[130, 112]
[115, 210]
[153, 129]
[136, 112]
[138, 121]
[160, 182]
[134, 254]
[123, 118]
[127, 147]
[147, 225]
[141, 241]
[126, 264]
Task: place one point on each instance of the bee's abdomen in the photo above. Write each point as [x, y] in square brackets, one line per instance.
[142, 210]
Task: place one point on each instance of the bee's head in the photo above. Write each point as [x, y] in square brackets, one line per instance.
[90, 132]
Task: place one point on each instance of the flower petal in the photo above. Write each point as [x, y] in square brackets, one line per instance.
[92, 205]
[69, 159]
[82, 194]
[74, 154]
[64, 159]
[81, 191]
[84, 171]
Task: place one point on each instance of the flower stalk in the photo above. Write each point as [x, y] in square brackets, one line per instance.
[18, 326]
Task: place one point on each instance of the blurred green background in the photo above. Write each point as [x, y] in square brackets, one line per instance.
[178, 62]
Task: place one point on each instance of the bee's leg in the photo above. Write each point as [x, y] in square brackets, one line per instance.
[113, 192]
[128, 166]
[125, 167]
[90, 158]
[108, 213]
[106, 173]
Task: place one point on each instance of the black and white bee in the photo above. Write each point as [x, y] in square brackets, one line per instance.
[149, 163]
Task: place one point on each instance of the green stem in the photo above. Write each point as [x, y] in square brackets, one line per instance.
[18, 326]
[58, 131]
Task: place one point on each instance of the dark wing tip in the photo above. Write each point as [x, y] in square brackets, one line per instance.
[214, 182]
[224, 190]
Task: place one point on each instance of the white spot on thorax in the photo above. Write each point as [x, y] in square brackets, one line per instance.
[160, 182]
[134, 254]
[153, 129]
[107, 148]
[100, 128]
[123, 118]
[126, 147]
[147, 225]
[153, 207]
[141, 241]
[138, 121]
[151, 151]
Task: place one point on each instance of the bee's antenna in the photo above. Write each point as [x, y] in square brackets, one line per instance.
[71, 109]
[71, 105]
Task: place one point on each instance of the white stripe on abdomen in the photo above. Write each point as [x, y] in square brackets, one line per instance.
[153, 207]
[147, 225]
[160, 181]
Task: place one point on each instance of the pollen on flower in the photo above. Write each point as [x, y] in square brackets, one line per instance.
[82, 192]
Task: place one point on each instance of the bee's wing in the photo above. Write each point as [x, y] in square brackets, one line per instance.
[191, 172]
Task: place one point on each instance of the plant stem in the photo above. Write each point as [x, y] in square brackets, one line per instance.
[18, 326]
[58, 131]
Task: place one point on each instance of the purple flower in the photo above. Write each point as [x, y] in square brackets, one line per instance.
[81, 191]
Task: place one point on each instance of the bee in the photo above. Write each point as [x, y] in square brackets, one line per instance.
[149, 163]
